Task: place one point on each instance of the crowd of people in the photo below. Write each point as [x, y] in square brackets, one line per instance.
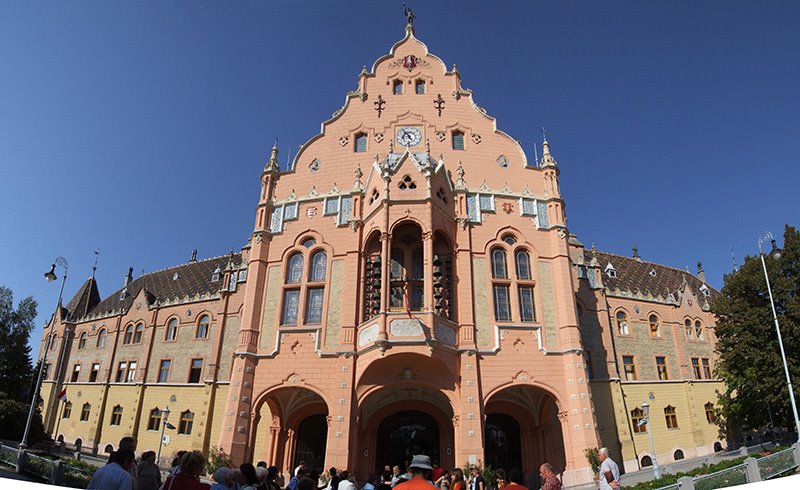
[123, 472]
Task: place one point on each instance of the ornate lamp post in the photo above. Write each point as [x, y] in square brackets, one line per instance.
[776, 254]
[164, 416]
[646, 408]
[50, 276]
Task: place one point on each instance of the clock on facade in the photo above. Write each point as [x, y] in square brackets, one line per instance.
[408, 136]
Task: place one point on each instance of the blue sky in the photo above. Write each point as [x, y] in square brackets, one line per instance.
[140, 128]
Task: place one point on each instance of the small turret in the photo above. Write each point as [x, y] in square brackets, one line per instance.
[272, 165]
[701, 274]
[547, 158]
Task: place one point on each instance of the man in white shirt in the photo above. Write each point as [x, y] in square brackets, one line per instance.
[115, 475]
[609, 471]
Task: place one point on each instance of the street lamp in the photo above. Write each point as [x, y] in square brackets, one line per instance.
[50, 276]
[646, 408]
[776, 254]
[164, 416]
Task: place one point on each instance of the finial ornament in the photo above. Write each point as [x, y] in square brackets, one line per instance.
[272, 165]
[544, 133]
[94, 266]
[636, 252]
[409, 14]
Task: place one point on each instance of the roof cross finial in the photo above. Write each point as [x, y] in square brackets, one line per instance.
[544, 133]
[94, 266]
[409, 14]
[636, 252]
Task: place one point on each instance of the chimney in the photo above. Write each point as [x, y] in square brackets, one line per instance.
[129, 277]
[194, 256]
[701, 274]
[636, 253]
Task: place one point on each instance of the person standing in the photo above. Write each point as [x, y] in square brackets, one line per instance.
[476, 482]
[149, 473]
[395, 475]
[188, 476]
[609, 471]
[549, 479]
[222, 479]
[458, 479]
[115, 475]
[420, 468]
[505, 483]
[346, 482]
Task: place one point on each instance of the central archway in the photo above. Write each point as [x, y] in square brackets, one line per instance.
[312, 435]
[404, 434]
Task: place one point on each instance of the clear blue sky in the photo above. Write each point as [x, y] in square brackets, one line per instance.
[141, 128]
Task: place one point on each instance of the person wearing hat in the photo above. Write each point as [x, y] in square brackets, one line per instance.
[420, 468]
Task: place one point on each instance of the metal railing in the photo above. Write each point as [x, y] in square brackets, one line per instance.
[75, 477]
[735, 475]
[9, 455]
[775, 464]
[39, 466]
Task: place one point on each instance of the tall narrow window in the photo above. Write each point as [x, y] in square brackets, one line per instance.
[185, 424]
[67, 410]
[116, 415]
[76, 373]
[499, 270]
[637, 418]
[397, 87]
[137, 335]
[87, 408]
[360, 143]
[319, 264]
[655, 330]
[661, 367]
[291, 302]
[82, 341]
[131, 374]
[202, 327]
[458, 140]
[629, 367]
[154, 421]
[672, 419]
[294, 273]
[122, 368]
[696, 368]
[689, 330]
[172, 330]
[523, 265]
[101, 338]
[163, 371]
[196, 371]
[502, 303]
[128, 338]
[706, 368]
[527, 312]
[53, 341]
[314, 306]
[419, 87]
[698, 329]
[622, 323]
[95, 371]
[711, 415]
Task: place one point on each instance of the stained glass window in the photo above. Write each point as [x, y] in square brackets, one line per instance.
[319, 263]
[346, 211]
[502, 303]
[419, 86]
[276, 223]
[499, 270]
[528, 207]
[544, 220]
[486, 202]
[527, 313]
[472, 208]
[458, 140]
[360, 143]
[294, 273]
[523, 265]
[290, 211]
[314, 306]
[291, 301]
[331, 205]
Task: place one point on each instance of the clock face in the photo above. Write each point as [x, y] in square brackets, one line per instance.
[409, 136]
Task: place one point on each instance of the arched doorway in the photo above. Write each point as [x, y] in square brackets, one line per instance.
[312, 435]
[404, 434]
[503, 447]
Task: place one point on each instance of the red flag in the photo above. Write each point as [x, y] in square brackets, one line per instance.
[62, 395]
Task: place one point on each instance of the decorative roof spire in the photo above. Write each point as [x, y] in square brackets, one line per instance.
[409, 16]
[272, 165]
[547, 158]
[636, 253]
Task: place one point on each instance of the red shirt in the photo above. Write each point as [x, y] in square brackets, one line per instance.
[552, 483]
[184, 482]
[437, 473]
[415, 484]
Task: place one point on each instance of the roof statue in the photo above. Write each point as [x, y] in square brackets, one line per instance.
[409, 14]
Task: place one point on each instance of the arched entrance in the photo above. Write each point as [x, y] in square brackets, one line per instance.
[522, 431]
[404, 434]
[312, 436]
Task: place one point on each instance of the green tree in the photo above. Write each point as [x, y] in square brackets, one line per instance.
[750, 361]
[15, 353]
[14, 415]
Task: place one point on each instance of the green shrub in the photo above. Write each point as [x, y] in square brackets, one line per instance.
[217, 458]
[593, 457]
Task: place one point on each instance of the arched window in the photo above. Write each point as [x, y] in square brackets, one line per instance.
[689, 330]
[185, 424]
[499, 269]
[128, 338]
[67, 410]
[172, 330]
[717, 447]
[82, 340]
[711, 415]
[202, 327]
[523, 265]
[154, 421]
[319, 264]
[397, 87]
[360, 143]
[294, 273]
[655, 330]
[137, 335]
[309, 242]
[101, 338]
[109, 449]
[622, 323]
[637, 416]
[671, 417]
[53, 340]
[698, 329]
[116, 415]
[647, 461]
[87, 409]
[458, 140]
[678, 455]
[404, 286]
[419, 87]
[510, 239]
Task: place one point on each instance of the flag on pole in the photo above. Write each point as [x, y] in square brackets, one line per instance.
[63, 395]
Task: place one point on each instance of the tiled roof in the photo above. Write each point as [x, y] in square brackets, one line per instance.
[647, 278]
[179, 284]
[84, 300]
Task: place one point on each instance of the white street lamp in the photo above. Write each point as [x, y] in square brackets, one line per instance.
[646, 408]
[776, 254]
[164, 416]
[50, 276]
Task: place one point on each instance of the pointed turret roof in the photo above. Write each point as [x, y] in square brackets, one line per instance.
[84, 300]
